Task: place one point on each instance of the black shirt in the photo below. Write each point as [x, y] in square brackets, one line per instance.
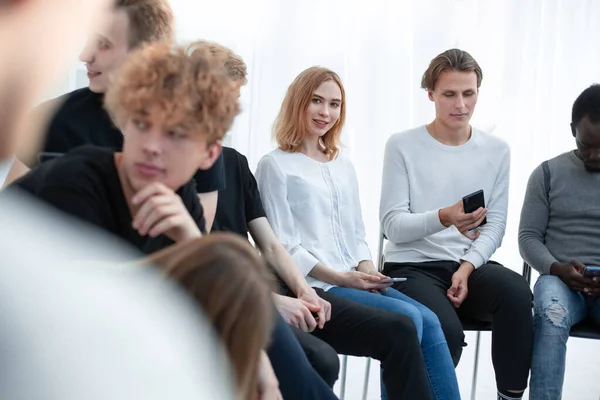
[240, 202]
[85, 183]
[82, 119]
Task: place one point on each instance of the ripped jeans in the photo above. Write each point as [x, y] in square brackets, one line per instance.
[557, 308]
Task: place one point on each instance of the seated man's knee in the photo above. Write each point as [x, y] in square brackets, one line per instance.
[510, 291]
[552, 317]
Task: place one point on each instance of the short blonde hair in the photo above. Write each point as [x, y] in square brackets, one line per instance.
[233, 63]
[189, 88]
[290, 127]
[149, 20]
[453, 59]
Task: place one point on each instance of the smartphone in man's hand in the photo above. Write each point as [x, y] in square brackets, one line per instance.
[472, 202]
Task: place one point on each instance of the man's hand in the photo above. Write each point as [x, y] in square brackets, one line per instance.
[310, 297]
[570, 274]
[268, 385]
[297, 312]
[459, 290]
[161, 211]
[455, 215]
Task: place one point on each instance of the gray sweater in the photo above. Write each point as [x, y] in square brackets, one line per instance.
[564, 224]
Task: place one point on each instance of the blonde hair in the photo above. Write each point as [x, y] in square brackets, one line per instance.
[188, 87]
[149, 20]
[228, 279]
[290, 127]
[453, 59]
[234, 64]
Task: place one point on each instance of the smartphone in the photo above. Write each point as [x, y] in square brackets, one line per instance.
[473, 201]
[591, 271]
[392, 280]
[47, 156]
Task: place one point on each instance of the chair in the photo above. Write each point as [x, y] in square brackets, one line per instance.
[585, 329]
[468, 325]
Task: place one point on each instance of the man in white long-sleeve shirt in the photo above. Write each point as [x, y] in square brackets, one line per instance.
[444, 251]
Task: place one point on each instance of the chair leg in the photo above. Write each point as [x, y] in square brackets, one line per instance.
[366, 383]
[475, 368]
[343, 380]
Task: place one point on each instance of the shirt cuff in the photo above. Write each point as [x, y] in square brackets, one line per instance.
[363, 252]
[433, 221]
[304, 260]
[474, 258]
[546, 264]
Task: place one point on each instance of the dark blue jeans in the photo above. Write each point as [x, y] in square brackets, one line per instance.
[298, 380]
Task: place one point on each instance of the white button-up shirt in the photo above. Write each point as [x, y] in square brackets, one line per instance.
[314, 209]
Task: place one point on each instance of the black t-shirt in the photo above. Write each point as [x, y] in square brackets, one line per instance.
[85, 183]
[82, 119]
[240, 202]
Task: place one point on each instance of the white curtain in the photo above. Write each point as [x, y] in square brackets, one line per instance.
[536, 55]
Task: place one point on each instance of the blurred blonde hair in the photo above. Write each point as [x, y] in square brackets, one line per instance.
[290, 126]
[234, 64]
[149, 20]
[228, 279]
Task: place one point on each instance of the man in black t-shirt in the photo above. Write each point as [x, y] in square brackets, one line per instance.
[145, 194]
[81, 118]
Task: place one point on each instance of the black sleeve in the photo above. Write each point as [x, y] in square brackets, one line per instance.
[53, 137]
[76, 201]
[212, 179]
[189, 195]
[252, 200]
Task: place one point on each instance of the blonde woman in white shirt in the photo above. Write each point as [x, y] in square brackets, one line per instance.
[310, 196]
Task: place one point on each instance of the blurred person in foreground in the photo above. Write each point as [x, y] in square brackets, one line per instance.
[69, 332]
[79, 117]
[228, 279]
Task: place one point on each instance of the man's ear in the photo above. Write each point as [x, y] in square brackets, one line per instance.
[573, 129]
[430, 94]
[214, 151]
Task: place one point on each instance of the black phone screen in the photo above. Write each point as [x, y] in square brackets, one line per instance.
[473, 201]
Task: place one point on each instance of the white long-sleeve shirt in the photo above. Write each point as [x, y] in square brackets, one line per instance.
[314, 209]
[421, 176]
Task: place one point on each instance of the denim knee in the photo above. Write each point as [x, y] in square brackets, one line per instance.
[413, 313]
[551, 304]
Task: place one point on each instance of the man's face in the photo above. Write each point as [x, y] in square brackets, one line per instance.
[153, 152]
[587, 137]
[455, 97]
[106, 50]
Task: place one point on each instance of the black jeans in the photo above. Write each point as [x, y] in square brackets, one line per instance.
[358, 330]
[495, 294]
[321, 356]
[297, 378]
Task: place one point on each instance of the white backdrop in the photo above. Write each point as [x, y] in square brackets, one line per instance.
[536, 55]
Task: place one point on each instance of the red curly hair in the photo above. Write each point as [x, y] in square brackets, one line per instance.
[188, 87]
